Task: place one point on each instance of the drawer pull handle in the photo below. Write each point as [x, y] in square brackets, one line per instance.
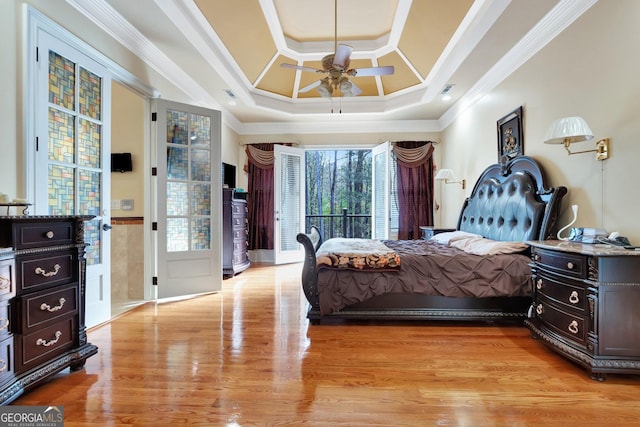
[46, 307]
[570, 265]
[41, 272]
[539, 309]
[5, 283]
[573, 298]
[45, 343]
[573, 327]
[3, 365]
[539, 284]
[5, 324]
[49, 234]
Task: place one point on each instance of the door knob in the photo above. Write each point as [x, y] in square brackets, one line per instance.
[106, 227]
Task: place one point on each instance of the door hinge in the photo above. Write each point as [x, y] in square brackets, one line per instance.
[37, 54]
[154, 171]
[154, 226]
[37, 144]
[154, 280]
[154, 117]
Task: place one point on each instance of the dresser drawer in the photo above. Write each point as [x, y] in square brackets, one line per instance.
[238, 221]
[572, 296]
[7, 279]
[43, 271]
[240, 233]
[40, 308]
[238, 209]
[562, 322]
[6, 359]
[240, 257]
[37, 235]
[46, 343]
[6, 327]
[569, 264]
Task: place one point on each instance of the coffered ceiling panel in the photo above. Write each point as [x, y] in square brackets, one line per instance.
[243, 29]
[429, 27]
[403, 76]
[313, 20]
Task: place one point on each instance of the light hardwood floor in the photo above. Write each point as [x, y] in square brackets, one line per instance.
[248, 357]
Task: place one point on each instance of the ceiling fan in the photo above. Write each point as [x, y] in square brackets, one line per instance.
[336, 66]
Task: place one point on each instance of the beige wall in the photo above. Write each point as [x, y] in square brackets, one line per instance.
[590, 70]
[127, 136]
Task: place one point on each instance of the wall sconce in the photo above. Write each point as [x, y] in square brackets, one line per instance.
[449, 177]
[574, 129]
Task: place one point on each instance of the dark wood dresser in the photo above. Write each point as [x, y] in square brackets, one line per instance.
[235, 257]
[42, 289]
[586, 301]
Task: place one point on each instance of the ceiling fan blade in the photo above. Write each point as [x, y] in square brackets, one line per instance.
[341, 56]
[355, 90]
[301, 68]
[309, 87]
[372, 71]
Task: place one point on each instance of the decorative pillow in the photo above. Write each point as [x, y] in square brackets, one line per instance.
[483, 246]
[452, 236]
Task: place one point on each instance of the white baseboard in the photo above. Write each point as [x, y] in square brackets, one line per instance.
[262, 256]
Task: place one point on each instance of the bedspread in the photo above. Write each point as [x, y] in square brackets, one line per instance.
[428, 268]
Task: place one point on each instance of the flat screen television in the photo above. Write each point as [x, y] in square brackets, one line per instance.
[228, 175]
[121, 162]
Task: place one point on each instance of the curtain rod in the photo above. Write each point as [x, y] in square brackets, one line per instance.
[270, 142]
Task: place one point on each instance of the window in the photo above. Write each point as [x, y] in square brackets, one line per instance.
[338, 199]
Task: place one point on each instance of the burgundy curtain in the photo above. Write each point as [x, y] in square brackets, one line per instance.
[260, 198]
[414, 161]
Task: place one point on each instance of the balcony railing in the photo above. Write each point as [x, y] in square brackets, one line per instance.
[341, 225]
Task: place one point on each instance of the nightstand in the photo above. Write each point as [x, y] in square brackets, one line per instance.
[428, 231]
[585, 304]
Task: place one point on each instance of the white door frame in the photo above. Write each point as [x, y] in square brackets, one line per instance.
[295, 254]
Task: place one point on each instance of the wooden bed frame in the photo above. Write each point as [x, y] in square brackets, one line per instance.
[474, 217]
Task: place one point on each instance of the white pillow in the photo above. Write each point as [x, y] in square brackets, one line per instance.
[482, 246]
[452, 236]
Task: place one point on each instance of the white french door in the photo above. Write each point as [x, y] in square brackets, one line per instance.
[72, 155]
[187, 199]
[381, 164]
[289, 203]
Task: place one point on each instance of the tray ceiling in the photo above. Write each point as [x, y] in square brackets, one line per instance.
[223, 52]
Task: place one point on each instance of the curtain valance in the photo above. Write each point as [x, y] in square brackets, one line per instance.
[260, 158]
[412, 157]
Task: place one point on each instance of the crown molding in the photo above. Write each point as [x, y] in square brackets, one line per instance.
[556, 21]
[340, 124]
[112, 23]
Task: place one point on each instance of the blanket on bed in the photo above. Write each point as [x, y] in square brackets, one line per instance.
[357, 254]
[428, 268]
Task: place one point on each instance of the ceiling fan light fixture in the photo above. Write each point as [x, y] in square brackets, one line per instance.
[345, 85]
[325, 89]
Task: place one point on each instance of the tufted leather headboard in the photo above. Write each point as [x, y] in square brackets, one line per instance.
[511, 202]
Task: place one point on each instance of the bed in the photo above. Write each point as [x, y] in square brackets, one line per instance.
[510, 203]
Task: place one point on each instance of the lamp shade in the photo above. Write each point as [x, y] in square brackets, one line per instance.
[444, 174]
[568, 130]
